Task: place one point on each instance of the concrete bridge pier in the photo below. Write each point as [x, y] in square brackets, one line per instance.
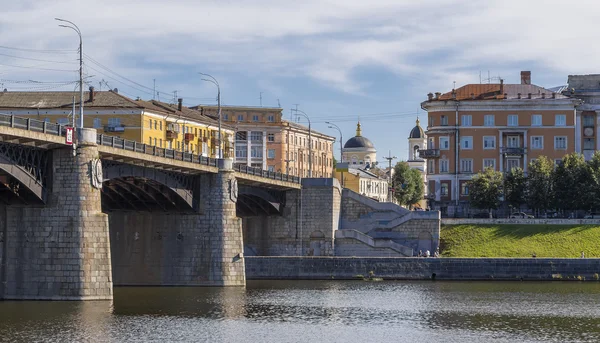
[60, 251]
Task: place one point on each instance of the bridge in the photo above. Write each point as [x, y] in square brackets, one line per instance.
[58, 203]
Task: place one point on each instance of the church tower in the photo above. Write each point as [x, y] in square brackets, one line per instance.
[417, 141]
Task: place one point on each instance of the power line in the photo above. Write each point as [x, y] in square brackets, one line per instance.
[36, 67]
[34, 59]
[43, 51]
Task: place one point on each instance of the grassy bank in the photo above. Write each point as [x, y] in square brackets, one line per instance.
[519, 240]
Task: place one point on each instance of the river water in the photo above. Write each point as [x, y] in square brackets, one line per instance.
[319, 311]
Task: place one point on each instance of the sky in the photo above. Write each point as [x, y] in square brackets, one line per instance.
[336, 60]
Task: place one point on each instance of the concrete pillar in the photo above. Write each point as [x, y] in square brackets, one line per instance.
[61, 251]
[225, 228]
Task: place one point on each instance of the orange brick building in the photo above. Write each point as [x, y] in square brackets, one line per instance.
[492, 125]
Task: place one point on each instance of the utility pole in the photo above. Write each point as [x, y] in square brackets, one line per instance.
[74, 27]
[389, 158]
[154, 90]
[333, 126]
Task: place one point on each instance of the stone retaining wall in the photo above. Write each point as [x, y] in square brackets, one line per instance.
[485, 221]
[412, 268]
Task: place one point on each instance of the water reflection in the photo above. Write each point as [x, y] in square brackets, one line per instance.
[329, 311]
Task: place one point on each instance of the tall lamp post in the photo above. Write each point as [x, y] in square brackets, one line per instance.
[214, 81]
[309, 141]
[389, 158]
[333, 126]
[74, 27]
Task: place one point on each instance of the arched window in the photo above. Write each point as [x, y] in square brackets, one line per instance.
[354, 160]
[416, 151]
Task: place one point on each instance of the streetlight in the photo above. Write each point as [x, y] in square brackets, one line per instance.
[309, 141]
[333, 126]
[389, 158]
[74, 27]
[216, 83]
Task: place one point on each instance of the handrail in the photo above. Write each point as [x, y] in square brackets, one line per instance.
[126, 144]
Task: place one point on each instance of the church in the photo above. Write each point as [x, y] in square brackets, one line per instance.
[417, 140]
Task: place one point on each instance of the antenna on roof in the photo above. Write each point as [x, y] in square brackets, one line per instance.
[278, 103]
[260, 97]
[154, 90]
[453, 84]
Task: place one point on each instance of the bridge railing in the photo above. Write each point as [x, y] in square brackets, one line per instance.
[32, 125]
[126, 144]
[242, 168]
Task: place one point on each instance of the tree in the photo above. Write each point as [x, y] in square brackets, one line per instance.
[571, 190]
[407, 184]
[594, 180]
[515, 188]
[485, 189]
[539, 184]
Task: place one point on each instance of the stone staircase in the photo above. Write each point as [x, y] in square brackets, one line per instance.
[379, 244]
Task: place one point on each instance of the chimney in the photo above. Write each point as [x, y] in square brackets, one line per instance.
[553, 95]
[429, 96]
[473, 96]
[91, 93]
[528, 95]
[437, 95]
[453, 94]
[501, 86]
[525, 77]
[179, 104]
[543, 95]
[116, 90]
[518, 95]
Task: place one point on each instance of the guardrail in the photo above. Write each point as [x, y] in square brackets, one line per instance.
[125, 144]
[242, 168]
[32, 125]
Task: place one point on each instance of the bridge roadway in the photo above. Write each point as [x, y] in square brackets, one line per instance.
[47, 136]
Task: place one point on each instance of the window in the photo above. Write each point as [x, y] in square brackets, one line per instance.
[430, 145]
[241, 151]
[512, 120]
[256, 151]
[430, 167]
[149, 140]
[466, 165]
[489, 120]
[537, 142]
[241, 136]
[114, 122]
[532, 161]
[560, 120]
[256, 136]
[489, 163]
[255, 118]
[444, 143]
[464, 188]
[150, 123]
[466, 120]
[271, 137]
[160, 142]
[489, 142]
[560, 142]
[178, 145]
[226, 116]
[271, 153]
[512, 163]
[271, 118]
[63, 121]
[155, 141]
[160, 125]
[558, 162]
[155, 125]
[271, 168]
[444, 120]
[466, 142]
[588, 144]
[443, 166]
[444, 189]
[431, 121]
[97, 123]
[47, 120]
[536, 120]
[513, 141]
[240, 117]
[588, 121]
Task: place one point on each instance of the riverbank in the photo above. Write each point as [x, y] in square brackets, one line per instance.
[519, 240]
[414, 268]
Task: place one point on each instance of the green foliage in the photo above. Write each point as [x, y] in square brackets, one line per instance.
[408, 184]
[540, 179]
[485, 189]
[515, 188]
[570, 183]
[519, 240]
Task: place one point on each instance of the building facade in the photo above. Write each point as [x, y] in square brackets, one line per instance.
[155, 123]
[359, 150]
[587, 89]
[265, 140]
[500, 126]
[417, 141]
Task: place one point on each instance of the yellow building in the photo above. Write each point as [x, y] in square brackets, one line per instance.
[366, 183]
[152, 122]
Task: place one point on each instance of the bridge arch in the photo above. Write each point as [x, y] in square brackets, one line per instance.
[23, 173]
[255, 201]
[139, 188]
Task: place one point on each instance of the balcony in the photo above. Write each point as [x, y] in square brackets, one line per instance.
[429, 153]
[188, 137]
[510, 151]
[172, 134]
[114, 129]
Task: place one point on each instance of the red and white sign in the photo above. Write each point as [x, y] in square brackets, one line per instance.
[69, 136]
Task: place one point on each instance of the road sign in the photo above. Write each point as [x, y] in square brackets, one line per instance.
[69, 136]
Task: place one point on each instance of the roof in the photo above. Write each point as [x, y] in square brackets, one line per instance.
[64, 100]
[417, 131]
[304, 128]
[185, 112]
[495, 91]
[358, 142]
[365, 173]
